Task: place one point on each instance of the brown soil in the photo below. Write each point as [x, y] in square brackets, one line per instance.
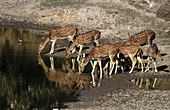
[114, 19]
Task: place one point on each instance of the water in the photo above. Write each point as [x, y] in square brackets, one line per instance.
[28, 81]
[152, 83]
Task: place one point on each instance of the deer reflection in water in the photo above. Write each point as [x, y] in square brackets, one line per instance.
[143, 83]
[65, 76]
[152, 83]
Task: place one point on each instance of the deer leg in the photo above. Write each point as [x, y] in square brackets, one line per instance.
[147, 68]
[100, 64]
[133, 63]
[140, 60]
[110, 66]
[79, 66]
[105, 68]
[92, 73]
[155, 66]
[122, 65]
[73, 64]
[74, 50]
[110, 73]
[52, 47]
[113, 62]
[116, 66]
[79, 54]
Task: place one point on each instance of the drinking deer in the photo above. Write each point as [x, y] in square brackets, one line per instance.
[128, 42]
[146, 36]
[132, 51]
[153, 53]
[82, 39]
[99, 53]
[54, 35]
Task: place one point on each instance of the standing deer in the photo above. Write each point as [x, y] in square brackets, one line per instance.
[146, 36]
[88, 37]
[132, 51]
[153, 53]
[54, 35]
[99, 53]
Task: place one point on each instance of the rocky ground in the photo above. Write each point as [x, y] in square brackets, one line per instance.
[114, 18]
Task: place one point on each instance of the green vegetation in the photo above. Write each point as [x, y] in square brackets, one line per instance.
[62, 3]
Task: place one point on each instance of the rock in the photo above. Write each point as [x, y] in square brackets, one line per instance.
[164, 11]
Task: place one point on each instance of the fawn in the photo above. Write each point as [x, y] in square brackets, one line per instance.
[153, 53]
[61, 33]
[99, 53]
[82, 39]
[132, 51]
[146, 36]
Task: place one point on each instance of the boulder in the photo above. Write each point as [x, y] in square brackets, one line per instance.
[164, 11]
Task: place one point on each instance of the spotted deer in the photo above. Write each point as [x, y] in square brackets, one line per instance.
[153, 53]
[146, 36]
[60, 33]
[100, 53]
[122, 60]
[88, 37]
[132, 51]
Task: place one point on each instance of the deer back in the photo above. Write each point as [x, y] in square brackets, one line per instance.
[88, 37]
[131, 42]
[63, 32]
[127, 50]
[146, 36]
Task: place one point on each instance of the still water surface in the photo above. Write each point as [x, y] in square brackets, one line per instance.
[28, 81]
[152, 83]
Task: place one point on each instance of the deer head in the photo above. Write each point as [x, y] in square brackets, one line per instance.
[82, 64]
[158, 55]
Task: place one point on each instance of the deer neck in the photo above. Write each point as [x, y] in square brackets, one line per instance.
[72, 45]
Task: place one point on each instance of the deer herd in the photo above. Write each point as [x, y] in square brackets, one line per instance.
[117, 53]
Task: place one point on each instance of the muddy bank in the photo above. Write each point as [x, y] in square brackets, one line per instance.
[113, 19]
[22, 22]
